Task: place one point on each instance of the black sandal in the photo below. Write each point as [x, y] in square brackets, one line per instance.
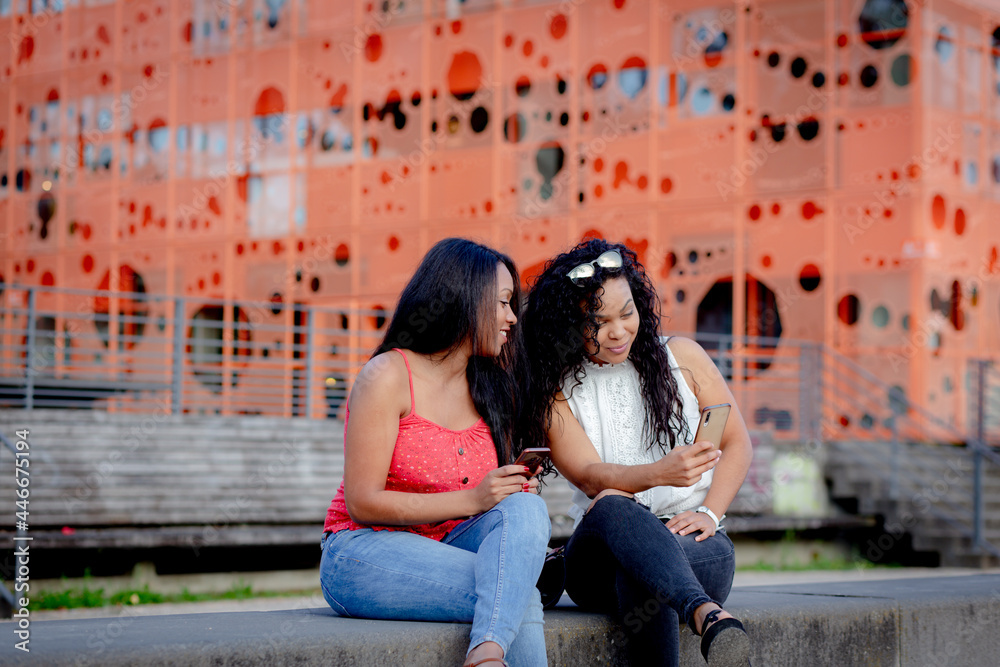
[725, 643]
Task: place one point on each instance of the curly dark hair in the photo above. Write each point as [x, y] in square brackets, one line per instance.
[560, 319]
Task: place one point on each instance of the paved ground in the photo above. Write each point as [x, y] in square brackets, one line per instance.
[881, 618]
[742, 580]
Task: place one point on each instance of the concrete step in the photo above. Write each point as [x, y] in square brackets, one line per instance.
[930, 486]
[904, 623]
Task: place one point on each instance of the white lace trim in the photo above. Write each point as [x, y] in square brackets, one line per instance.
[608, 404]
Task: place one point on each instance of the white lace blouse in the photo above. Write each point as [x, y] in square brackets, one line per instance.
[608, 404]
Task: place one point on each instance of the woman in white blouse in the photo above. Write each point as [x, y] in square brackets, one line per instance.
[619, 406]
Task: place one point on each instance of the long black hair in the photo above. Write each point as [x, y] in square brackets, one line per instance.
[451, 299]
[560, 319]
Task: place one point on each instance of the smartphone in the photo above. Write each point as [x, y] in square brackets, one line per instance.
[713, 423]
[533, 458]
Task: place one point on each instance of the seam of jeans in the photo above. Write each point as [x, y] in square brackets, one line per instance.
[495, 615]
[340, 608]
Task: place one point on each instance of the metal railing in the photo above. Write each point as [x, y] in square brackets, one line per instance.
[139, 352]
[10, 601]
[893, 419]
[136, 352]
[984, 400]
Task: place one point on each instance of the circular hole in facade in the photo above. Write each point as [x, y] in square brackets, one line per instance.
[277, 303]
[133, 311]
[205, 347]
[597, 76]
[479, 119]
[713, 52]
[798, 67]
[938, 212]
[632, 76]
[882, 23]
[971, 173]
[809, 277]
[715, 316]
[342, 255]
[869, 76]
[378, 317]
[944, 45]
[901, 70]
[808, 129]
[880, 317]
[898, 402]
[514, 128]
[702, 101]
[848, 309]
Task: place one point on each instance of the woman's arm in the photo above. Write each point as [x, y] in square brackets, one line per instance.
[711, 389]
[575, 456]
[379, 398]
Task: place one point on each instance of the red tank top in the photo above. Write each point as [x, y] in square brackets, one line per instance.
[427, 458]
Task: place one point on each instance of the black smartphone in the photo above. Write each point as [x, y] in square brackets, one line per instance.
[533, 458]
[713, 423]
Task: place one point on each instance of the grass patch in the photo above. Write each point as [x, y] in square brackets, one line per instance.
[828, 564]
[788, 555]
[68, 599]
[76, 598]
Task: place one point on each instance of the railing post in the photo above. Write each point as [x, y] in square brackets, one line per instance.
[894, 460]
[978, 514]
[804, 416]
[810, 392]
[177, 375]
[819, 391]
[310, 359]
[29, 354]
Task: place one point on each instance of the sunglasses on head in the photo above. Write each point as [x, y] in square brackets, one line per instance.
[612, 259]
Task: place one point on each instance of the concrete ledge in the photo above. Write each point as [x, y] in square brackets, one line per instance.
[926, 622]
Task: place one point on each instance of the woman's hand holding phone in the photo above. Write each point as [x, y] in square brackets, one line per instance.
[533, 458]
[684, 466]
[502, 482]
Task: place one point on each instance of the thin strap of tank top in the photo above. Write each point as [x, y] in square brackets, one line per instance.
[409, 376]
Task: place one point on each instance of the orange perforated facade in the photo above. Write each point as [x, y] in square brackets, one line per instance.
[839, 157]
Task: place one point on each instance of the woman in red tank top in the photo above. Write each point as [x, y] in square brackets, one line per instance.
[432, 520]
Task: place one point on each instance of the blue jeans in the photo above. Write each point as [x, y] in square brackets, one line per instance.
[484, 572]
[622, 560]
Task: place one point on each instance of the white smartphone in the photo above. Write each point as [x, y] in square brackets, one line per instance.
[713, 423]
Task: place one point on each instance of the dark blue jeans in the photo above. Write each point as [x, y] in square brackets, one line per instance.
[622, 561]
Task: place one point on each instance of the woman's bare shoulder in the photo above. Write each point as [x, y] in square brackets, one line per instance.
[692, 359]
[382, 378]
[687, 351]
